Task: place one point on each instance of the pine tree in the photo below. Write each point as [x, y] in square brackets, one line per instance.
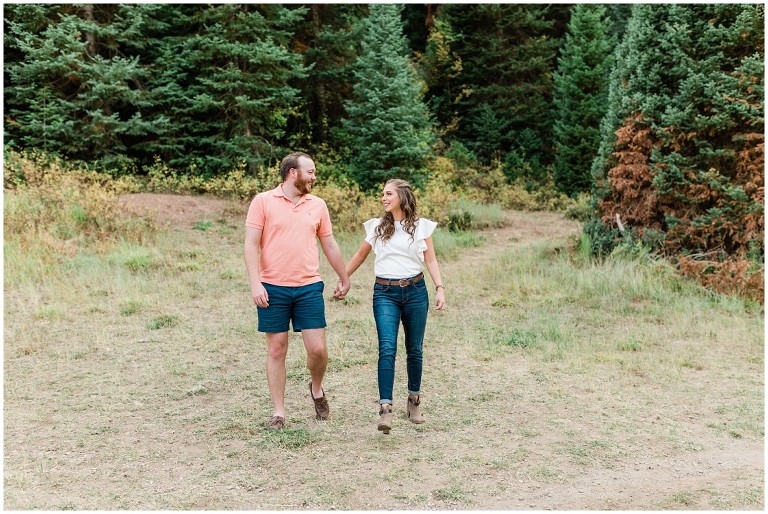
[581, 94]
[716, 114]
[642, 81]
[440, 68]
[388, 124]
[226, 82]
[687, 100]
[328, 41]
[75, 80]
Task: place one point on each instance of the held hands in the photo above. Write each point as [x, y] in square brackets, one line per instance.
[261, 298]
[342, 288]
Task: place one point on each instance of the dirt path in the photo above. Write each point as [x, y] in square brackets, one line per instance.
[654, 476]
[651, 478]
[179, 212]
[102, 413]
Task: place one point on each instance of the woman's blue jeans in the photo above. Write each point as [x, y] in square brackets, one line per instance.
[393, 304]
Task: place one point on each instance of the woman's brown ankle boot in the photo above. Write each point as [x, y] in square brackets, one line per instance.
[414, 414]
[385, 418]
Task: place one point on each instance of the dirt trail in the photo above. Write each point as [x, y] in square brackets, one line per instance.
[102, 413]
[652, 478]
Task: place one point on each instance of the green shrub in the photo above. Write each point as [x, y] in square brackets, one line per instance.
[459, 221]
[599, 238]
[582, 209]
[234, 184]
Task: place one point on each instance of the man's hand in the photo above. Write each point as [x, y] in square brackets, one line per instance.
[259, 295]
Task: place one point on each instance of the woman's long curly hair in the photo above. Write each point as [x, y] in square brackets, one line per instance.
[386, 228]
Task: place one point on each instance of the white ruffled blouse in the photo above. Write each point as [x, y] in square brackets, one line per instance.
[401, 256]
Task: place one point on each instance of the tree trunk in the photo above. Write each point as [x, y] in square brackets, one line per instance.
[429, 22]
[90, 37]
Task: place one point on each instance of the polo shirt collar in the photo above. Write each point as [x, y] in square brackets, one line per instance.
[278, 191]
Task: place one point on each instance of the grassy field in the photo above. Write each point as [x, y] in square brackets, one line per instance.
[134, 379]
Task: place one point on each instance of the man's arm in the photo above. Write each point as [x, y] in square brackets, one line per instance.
[251, 252]
[336, 260]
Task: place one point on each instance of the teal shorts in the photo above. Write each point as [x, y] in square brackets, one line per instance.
[303, 306]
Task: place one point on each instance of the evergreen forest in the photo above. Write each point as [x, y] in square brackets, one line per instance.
[650, 115]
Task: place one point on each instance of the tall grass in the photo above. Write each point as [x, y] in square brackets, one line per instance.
[53, 212]
[564, 307]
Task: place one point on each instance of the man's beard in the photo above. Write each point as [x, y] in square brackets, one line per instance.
[303, 186]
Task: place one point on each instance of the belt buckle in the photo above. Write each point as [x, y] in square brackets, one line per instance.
[403, 282]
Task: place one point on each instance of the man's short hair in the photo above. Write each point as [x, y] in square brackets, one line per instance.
[291, 161]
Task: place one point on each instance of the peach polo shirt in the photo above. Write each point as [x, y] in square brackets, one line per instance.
[289, 253]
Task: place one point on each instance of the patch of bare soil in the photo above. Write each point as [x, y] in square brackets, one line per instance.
[177, 211]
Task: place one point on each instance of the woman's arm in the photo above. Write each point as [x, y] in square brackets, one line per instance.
[355, 263]
[430, 259]
[360, 255]
[336, 260]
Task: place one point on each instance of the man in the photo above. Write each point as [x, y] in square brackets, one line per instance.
[281, 255]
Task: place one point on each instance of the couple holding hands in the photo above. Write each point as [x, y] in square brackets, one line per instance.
[282, 229]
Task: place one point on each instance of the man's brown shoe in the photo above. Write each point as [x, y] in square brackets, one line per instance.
[414, 414]
[276, 423]
[385, 418]
[322, 411]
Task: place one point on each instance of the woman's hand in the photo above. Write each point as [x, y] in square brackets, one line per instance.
[440, 303]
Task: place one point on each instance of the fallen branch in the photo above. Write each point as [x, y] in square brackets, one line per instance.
[619, 223]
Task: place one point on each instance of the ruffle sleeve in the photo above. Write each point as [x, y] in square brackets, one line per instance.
[424, 229]
[370, 230]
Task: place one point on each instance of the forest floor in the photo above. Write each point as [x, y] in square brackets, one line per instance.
[530, 401]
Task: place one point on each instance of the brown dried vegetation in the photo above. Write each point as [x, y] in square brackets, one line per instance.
[718, 232]
[632, 196]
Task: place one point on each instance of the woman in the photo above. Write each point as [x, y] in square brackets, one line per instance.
[402, 243]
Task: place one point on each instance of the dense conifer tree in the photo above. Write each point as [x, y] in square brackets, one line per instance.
[685, 167]
[388, 123]
[581, 94]
[75, 80]
[642, 79]
[505, 83]
[227, 84]
[440, 68]
[328, 41]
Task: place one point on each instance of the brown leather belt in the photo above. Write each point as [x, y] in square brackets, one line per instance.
[402, 282]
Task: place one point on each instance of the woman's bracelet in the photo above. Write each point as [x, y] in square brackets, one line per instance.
[438, 286]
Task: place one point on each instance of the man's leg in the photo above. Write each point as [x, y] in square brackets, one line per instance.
[317, 357]
[309, 318]
[277, 349]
